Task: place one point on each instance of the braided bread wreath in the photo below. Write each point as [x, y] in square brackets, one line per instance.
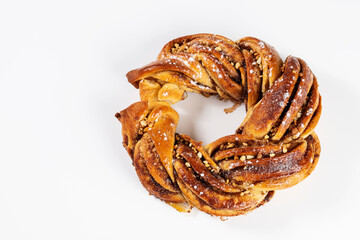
[274, 148]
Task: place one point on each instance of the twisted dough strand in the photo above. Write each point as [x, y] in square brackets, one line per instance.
[275, 147]
[212, 64]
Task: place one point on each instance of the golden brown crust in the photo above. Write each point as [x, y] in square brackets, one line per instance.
[288, 107]
[130, 119]
[147, 180]
[274, 148]
[267, 58]
[201, 63]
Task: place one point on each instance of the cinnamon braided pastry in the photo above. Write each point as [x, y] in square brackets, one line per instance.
[275, 147]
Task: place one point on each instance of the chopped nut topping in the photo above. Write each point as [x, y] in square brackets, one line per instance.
[227, 180]
[237, 65]
[272, 155]
[236, 158]
[199, 154]
[259, 155]
[242, 194]
[218, 49]
[284, 149]
[249, 156]
[243, 158]
[266, 137]
[187, 164]
[245, 144]
[176, 45]
[259, 60]
[230, 145]
[143, 123]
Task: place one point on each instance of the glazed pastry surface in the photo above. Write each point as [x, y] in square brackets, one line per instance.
[275, 146]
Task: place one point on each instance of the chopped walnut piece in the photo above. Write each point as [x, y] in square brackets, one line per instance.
[259, 60]
[230, 145]
[284, 149]
[206, 164]
[143, 123]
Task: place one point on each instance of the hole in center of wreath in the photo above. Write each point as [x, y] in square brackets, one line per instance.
[204, 119]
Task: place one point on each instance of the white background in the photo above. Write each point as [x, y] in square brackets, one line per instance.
[63, 171]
